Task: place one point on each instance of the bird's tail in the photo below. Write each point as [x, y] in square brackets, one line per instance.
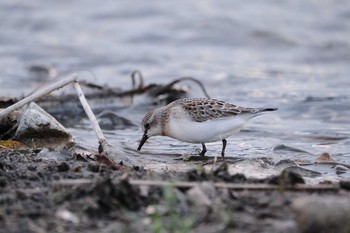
[267, 109]
[260, 111]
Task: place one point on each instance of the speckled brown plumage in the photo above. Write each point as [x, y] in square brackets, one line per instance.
[202, 109]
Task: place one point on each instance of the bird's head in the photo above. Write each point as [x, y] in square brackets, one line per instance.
[151, 126]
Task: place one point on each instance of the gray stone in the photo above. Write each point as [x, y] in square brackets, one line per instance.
[38, 127]
[322, 214]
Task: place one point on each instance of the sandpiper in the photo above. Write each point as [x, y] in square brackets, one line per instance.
[198, 120]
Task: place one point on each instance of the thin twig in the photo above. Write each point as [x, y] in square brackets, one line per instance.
[105, 149]
[69, 182]
[234, 186]
[238, 186]
[90, 114]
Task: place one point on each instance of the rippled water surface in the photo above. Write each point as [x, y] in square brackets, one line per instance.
[292, 55]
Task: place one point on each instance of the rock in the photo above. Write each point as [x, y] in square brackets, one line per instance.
[110, 120]
[287, 178]
[238, 178]
[317, 214]
[291, 166]
[222, 172]
[7, 124]
[62, 167]
[283, 148]
[345, 184]
[198, 174]
[303, 171]
[38, 128]
[51, 154]
[284, 163]
[68, 216]
[198, 196]
[340, 169]
[251, 168]
[325, 157]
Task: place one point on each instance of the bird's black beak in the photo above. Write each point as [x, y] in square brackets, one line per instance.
[143, 140]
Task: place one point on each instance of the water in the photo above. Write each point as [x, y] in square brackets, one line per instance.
[292, 55]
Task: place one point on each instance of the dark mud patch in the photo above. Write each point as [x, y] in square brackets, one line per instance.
[72, 194]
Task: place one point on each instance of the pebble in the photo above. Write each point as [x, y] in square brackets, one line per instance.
[62, 167]
[315, 214]
[198, 196]
[67, 215]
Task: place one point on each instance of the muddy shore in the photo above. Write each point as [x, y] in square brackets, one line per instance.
[49, 191]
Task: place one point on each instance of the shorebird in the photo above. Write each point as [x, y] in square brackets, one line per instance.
[198, 120]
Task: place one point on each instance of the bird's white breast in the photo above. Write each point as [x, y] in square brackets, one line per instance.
[181, 127]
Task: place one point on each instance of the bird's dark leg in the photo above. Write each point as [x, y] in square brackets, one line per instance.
[223, 147]
[204, 150]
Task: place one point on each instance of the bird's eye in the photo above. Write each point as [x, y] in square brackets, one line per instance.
[147, 126]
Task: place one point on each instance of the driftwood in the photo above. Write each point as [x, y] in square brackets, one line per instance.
[55, 86]
[105, 148]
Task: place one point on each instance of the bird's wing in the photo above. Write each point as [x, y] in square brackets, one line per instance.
[209, 109]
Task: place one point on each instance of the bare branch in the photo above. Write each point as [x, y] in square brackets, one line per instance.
[90, 114]
[38, 94]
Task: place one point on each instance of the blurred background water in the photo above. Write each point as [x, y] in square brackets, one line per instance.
[294, 55]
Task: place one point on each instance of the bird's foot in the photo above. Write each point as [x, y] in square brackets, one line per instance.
[202, 153]
[199, 151]
[204, 150]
